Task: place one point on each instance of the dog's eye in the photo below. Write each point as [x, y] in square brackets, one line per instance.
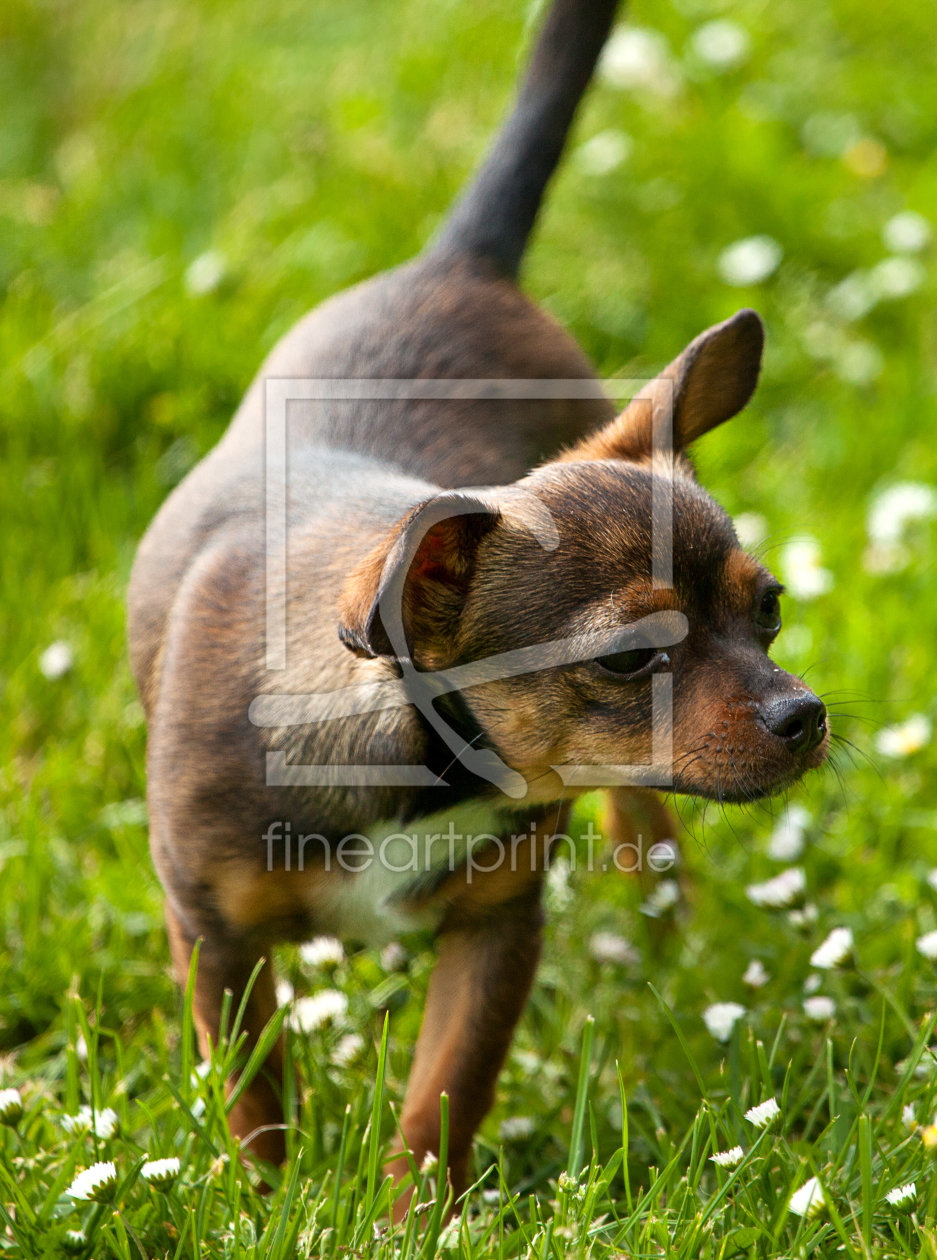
[625, 663]
[768, 614]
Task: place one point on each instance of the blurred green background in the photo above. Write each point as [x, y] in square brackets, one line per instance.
[179, 182]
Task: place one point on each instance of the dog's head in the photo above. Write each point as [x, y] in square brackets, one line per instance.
[492, 580]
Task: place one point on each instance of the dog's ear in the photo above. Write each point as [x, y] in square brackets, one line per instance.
[711, 381]
[405, 597]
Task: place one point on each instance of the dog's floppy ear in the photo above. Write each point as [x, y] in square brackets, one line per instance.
[406, 596]
[711, 381]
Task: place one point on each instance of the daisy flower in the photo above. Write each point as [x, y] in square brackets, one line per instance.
[902, 1196]
[161, 1173]
[515, 1128]
[904, 738]
[927, 945]
[804, 576]
[97, 1182]
[324, 952]
[104, 1123]
[348, 1050]
[11, 1107]
[56, 660]
[808, 1200]
[780, 892]
[610, 947]
[728, 1159]
[755, 975]
[721, 1018]
[786, 842]
[762, 1115]
[834, 950]
[819, 1008]
[310, 1013]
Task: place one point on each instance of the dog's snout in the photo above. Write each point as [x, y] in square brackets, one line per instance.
[799, 720]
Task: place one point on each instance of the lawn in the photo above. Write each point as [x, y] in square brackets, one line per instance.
[178, 183]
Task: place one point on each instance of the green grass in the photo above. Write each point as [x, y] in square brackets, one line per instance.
[312, 144]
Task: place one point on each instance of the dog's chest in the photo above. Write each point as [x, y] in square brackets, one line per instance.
[379, 878]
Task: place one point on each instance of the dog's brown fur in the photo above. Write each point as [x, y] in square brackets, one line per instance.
[480, 584]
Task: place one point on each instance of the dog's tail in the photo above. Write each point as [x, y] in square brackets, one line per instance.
[494, 216]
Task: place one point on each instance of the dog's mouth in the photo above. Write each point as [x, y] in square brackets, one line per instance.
[747, 771]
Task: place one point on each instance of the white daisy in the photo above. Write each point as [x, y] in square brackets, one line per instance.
[834, 950]
[904, 738]
[205, 273]
[755, 975]
[664, 897]
[926, 1065]
[74, 1240]
[803, 918]
[819, 1008]
[931, 878]
[721, 44]
[310, 1013]
[907, 1117]
[808, 1200]
[161, 1173]
[610, 947]
[97, 1182]
[804, 576]
[605, 152]
[285, 993]
[515, 1128]
[322, 951]
[104, 1122]
[721, 1018]
[902, 1196]
[637, 58]
[780, 892]
[728, 1159]
[927, 945]
[11, 1107]
[894, 508]
[896, 277]
[56, 660]
[394, 957]
[786, 842]
[749, 261]
[348, 1050]
[751, 528]
[906, 233]
[762, 1115]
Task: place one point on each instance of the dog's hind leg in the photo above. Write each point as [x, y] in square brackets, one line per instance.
[225, 964]
[476, 996]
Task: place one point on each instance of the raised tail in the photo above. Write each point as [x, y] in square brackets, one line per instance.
[494, 216]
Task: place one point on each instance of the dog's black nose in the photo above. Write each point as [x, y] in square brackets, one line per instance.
[799, 720]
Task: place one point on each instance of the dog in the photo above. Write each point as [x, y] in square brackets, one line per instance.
[474, 605]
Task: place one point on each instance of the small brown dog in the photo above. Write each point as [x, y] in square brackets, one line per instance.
[384, 717]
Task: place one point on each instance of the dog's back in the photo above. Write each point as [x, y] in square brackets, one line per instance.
[453, 313]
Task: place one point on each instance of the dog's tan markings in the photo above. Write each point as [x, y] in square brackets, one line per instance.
[741, 575]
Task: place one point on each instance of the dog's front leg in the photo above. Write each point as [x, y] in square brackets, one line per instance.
[476, 995]
[227, 963]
